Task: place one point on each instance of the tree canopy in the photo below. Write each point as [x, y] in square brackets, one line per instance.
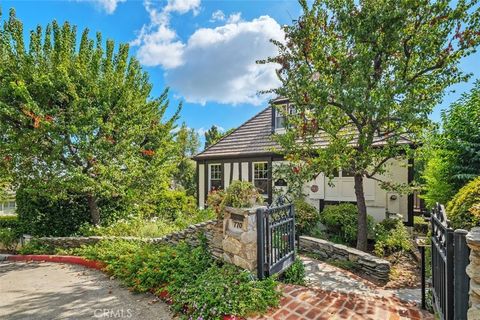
[365, 74]
[185, 174]
[453, 154]
[212, 136]
[78, 116]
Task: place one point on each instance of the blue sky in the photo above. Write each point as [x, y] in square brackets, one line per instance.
[203, 50]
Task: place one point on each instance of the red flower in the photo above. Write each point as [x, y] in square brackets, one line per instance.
[148, 152]
[110, 139]
[164, 295]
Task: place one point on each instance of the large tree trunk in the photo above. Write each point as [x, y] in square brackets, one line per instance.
[362, 213]
[94, 212]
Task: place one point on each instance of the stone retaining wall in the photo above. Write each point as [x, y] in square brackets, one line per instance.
[373, 266]
[212, 229]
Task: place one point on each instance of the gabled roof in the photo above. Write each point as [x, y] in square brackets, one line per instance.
[254, 137]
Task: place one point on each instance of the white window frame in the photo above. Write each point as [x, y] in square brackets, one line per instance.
[254, 178]
[210, 165]
[278, 114]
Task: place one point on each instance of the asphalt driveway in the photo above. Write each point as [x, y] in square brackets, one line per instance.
[46, 291]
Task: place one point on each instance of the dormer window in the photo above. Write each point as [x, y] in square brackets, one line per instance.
[280, 115]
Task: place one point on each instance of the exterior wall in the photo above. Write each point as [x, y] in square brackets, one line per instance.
[244, 172]
[379, 201]
[226, 176]
[201, 185]
[233, 169]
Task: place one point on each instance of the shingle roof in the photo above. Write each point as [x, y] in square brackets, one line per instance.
[251, 138]
[254, 138]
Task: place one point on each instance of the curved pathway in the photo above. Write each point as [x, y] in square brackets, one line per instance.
[307, 303]
[59, 291]
[337, 294]
[324, 276]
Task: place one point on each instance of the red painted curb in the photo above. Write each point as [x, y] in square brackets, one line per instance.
[59, 259]
[164, 295]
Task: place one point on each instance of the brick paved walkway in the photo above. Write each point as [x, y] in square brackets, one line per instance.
[307, 303]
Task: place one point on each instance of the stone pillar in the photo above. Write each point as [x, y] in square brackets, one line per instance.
[240, 237]
[473, 271]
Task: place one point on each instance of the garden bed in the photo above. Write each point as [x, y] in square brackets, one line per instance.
[186, 276]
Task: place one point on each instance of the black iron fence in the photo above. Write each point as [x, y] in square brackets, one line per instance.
[275, 239]
[450, 283]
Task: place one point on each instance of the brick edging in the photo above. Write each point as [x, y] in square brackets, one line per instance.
[92, 264]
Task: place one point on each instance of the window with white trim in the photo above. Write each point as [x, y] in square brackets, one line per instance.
[260, 177]
[7, 206]
[215, 177]
[280, 115]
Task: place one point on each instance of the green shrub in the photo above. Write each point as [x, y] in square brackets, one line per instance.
[242, 194]
[462, 210]
[295, 273]
[318, 233]
[171, 204]
[306, 217]
[215, 201]
[13, 224]
[389, 241]
[198, 285]
[49, 215]
[9, 239]
[239, 194]
[147, 228]
[341, 222]
[9, 222]
[35, 247]
[420, 225]
[437, 175]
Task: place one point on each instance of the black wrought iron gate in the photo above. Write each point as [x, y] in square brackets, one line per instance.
[275, 239]
[449, 259]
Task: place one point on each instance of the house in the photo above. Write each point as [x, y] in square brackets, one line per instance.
[246, 154]
[8, 206]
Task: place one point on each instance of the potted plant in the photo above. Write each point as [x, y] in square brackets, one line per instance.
[242, 194]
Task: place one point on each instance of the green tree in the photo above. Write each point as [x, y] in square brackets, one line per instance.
[78, 116]
[461, 136]
[366, 74]
[453, 155]
[212, 136]
[185, 174]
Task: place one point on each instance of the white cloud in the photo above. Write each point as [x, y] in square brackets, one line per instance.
[183, 6]
[109, 6]
[217, 16]
[201, 131]
[158, 42]
[219, 63]
[160, 48]
[235, 17]
[215, 64]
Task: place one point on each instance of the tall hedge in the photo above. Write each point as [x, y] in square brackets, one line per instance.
[41, 214]
[462, 210]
